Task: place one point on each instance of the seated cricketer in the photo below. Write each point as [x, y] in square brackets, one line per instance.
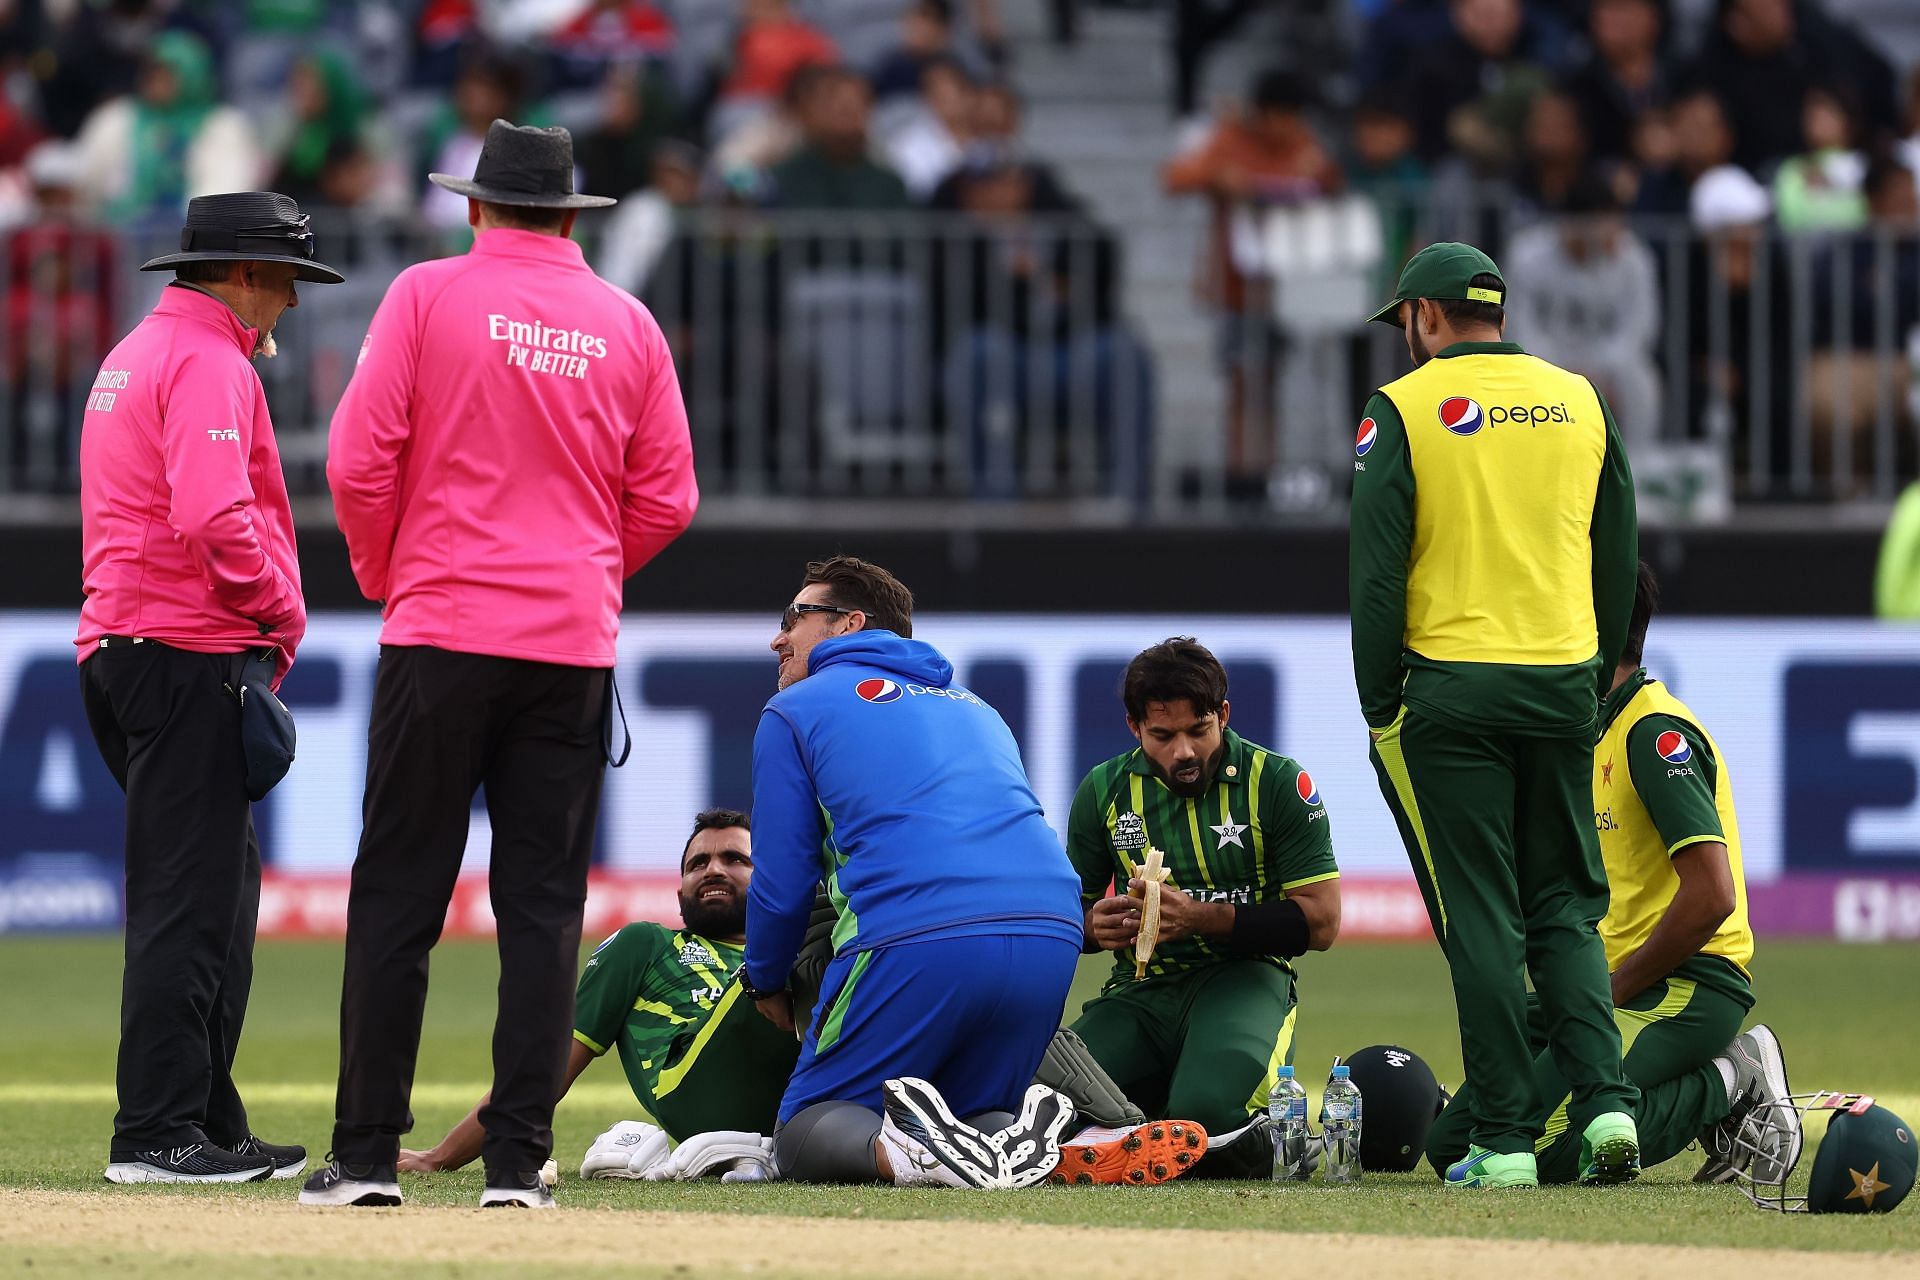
[1253, 885]
[698, 1057]
[957, 932]
[1678, 947]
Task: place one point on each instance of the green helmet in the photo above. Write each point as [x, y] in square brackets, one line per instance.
[1865, 1163]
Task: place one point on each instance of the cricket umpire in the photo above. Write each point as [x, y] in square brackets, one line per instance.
[190, 572]
[1491, 576]
[512, 446]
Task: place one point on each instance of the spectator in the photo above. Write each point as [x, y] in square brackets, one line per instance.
[1764, 55]
[638, 235]
[1475, 86]
[772, 45]
[1271, 156]
[994, 126]
[606, 36]
[749, 153]
[490, 87]
[929, 143]
[1738, 336]
[926, 37]
[637, 113]
[328, 113]
[1555, 152]
[1910, 146]
[1583, 294]
[832, 169]
[1384, 168]
[1675, 150]
[98, 52]
[1625, 74]
[143, 155]
[1820, 189]
[60, 322]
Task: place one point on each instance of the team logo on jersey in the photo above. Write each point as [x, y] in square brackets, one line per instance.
[1309, 794]
[694, 953]
[1129, 831]
[1673, 747]
[1369, 432]
[878, 690]
[1228, 833]
[1461, 415]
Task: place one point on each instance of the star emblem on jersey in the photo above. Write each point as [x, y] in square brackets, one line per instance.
[1866, 1185]
[1229, 833]
[1606, 774]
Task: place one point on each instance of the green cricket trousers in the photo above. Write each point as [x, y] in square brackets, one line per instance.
[1499, 828]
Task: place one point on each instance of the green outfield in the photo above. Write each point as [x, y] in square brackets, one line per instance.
[1846, 1015]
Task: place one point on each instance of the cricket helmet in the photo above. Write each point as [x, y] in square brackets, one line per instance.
[1865, 1163]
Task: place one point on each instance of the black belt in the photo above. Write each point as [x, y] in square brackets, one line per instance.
[119, 642]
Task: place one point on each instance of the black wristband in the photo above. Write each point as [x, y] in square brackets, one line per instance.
[1269, 929]
[752, 992]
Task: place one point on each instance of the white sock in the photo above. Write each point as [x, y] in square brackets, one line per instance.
[1727, 1078]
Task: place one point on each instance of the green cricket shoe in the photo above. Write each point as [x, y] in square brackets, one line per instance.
[1610, 1150]
[1484, 1168]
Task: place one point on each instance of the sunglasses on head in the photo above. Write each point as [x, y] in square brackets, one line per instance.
[792, 613]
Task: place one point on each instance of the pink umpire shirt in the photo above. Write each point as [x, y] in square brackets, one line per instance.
[512, 445]
[186, 532]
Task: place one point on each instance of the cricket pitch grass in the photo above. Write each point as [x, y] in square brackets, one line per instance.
[1846, 1016]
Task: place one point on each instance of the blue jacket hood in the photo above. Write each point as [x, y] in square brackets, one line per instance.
[912, 660]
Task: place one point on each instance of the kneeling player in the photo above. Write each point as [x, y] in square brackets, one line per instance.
[1253, 885]
[699, 1058]
[1678, 946]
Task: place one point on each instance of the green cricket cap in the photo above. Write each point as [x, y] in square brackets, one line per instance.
[1866, 1164]
[1443, 271]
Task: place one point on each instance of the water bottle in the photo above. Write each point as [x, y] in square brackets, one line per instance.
[1340, 1126]
[1287, 1113]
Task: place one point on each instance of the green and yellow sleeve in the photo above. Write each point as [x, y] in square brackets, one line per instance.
[1676, 787]
[1087, 841]
[1295, 839]
[1379, 541]
[611, 982]
[1616, 549]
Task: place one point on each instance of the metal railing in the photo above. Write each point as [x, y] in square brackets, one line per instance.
[942, 359]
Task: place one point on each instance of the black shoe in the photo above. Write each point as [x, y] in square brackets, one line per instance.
[288, 1160]
[341, 1183]
[194, 1162]
[1030, 1146]
[515, 1191]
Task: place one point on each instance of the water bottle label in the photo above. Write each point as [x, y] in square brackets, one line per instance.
[1339, 1112]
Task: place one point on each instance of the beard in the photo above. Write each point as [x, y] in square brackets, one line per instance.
[1416, 347]
[1198, 787]
[715, 918]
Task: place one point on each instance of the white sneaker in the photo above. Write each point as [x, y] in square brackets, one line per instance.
[1030, 1146]
[516, 1191]
[927, 1146]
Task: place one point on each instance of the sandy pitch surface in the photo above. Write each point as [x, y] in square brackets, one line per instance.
[154, 1226]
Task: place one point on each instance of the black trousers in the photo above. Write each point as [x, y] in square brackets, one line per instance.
[445, 724]
[168, 727]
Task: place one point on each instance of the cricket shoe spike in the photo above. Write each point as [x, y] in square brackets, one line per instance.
[515, 1190]
[927, 1145]
[288, 1159]
[1609, 1150]
[1030, 1146]
[1140, 1155]
[340, 1183]
[192, 1162]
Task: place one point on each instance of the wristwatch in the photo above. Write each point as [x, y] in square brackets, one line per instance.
[754, 993]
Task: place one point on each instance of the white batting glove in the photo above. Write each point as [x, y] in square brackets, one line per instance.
[723, 1152]
[624, 1150]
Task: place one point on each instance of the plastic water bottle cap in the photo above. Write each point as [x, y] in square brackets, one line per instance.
[1342, 1072]
[1286, 1071]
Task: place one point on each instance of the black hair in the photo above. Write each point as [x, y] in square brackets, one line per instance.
[1465, 312]
[525, 217]
[1277, 90]
[1646, 603]
[714, 820]
[1590, 195]
[1178, 669]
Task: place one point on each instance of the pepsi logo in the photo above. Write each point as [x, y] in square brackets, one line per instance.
[878, 690]
[1364, 441]
[1309, 793]
[1461, 415]
[1673, 747]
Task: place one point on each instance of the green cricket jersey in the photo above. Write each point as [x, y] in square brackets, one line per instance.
[1257, 832]
[1494, 547]
[649, 990]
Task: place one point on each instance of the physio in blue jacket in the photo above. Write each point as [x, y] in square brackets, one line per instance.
[959, 920]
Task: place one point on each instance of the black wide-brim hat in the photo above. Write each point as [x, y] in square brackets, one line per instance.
[523, 165]
[248, 226]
